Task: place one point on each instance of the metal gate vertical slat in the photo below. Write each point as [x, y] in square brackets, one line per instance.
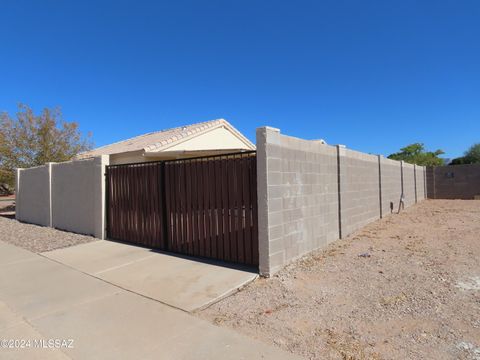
[188, 207]
[225, 209]
[203, 207]
[218, 209]
[201, 211]
[213, 229]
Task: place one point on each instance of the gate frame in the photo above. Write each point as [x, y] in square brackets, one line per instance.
[192, 158]
[165, 229]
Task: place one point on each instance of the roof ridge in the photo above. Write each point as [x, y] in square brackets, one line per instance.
[220, 120]
[199, 128]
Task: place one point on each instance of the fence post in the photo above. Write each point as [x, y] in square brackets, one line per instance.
[50, 205]
[265, 135]
[340, 153]
[401, 177]
[17, 193]
[415, 181]
[99, 189]
[425, 195]
[380, 184]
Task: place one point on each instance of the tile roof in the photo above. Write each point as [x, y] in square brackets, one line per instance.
[158, 140]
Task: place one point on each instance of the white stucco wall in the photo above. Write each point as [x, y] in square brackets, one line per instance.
[68, 196]
[33, 195]
[129, 157]
[78, 196]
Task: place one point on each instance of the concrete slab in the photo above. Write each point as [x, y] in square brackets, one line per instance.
[99, 256]
[180, 282]
[14, 327]
[107, 322]
[8, 317]
[27, 349]
[148, 330]
[12, 254]
[40, 277]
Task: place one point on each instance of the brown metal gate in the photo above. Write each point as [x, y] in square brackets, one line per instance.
[135, 211]
[205, 207]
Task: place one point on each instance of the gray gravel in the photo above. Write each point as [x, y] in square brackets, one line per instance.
[38, 238]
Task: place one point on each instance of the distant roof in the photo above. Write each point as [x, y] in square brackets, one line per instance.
[156, 141]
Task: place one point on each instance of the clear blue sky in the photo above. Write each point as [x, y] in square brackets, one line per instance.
[374, 75]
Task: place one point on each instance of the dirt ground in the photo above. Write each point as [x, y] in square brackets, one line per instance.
[405, 287]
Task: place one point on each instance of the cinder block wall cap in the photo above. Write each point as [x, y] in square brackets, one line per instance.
[272, 128]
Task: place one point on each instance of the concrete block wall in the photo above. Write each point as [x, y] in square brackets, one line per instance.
[429, 173]
[359, 190]
[420, 183]
[391, 184]
[310, 194]
[453, 182]
[33, 195]
[298, 204]
[408, 183]
[69, 196]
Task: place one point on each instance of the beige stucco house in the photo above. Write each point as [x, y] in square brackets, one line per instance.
[207, 138]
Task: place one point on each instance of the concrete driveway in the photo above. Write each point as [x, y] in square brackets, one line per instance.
[42, 300]
[180, 282]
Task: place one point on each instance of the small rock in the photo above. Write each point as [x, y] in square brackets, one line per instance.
[365, 255]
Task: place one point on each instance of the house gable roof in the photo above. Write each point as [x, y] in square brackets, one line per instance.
[161, 140]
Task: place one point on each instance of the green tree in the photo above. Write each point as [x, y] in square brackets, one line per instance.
[416, 154]
[32, 140]
[471, 156]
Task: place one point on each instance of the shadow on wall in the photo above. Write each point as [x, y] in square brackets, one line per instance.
[311, 194]
[454, 182]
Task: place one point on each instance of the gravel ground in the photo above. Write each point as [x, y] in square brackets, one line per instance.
[38, 238]
[413, 294]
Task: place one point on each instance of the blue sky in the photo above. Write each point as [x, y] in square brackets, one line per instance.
[374, 75]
